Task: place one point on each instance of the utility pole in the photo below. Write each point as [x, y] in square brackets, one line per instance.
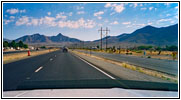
[101, 36]
[106, 37]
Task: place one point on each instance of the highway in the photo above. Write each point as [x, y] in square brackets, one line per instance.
[51, 66]
[166, 66]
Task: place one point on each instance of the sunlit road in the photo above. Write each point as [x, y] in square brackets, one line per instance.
[52, 66]
[166, 66]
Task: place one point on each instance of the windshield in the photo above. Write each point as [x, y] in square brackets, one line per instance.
[79, 45]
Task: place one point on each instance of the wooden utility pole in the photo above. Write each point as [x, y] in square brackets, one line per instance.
[106, 36]
[101, 36]
[101, 30]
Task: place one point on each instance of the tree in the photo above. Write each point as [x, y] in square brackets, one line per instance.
[25, 46]
[5, 44]
[13, 44]
[20, 43]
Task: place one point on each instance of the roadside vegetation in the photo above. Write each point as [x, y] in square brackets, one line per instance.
[14, 45]
[167, 52]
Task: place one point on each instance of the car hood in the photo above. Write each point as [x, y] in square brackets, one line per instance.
[112, 92]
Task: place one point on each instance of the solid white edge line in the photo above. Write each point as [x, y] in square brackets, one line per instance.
[38, 69]
[96, 68]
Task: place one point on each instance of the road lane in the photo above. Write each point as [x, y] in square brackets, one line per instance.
[66, 66]
[166, 66]
[52, 66]
[14, 73]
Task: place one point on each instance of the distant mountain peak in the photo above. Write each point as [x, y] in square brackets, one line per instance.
[36, 34]
[59, 34]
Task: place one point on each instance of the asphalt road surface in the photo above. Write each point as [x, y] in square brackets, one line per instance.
[166, 66]
[52, 66]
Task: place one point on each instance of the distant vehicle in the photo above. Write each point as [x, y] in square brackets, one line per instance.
[65, 49]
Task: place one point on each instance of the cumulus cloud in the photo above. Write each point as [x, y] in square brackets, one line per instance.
[176, 7]
[107, 5]
[70, 14]
[114, 23]
[164, 20]
[77, 24]
[80, 12]
[61, 15]
[143, 8]
[14, 11]
[150, 8]
[22, 20]
[98, 14]
[12, 17]
[126, 23]
[49, 13]
[79, 7]
[135, 5]
[54, 21]
[117, 7]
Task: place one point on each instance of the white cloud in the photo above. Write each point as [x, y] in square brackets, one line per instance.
[79, 7]
[49, 13]
[50, 21]
[80, 12]
[164, 20]
[167, 14]
[107, 5]
[135, 5]
[149, 23]
[126, 23]
[22, 11]
[143, 8]
[117, 7]
[176, 7]
[70, 14]
[34, 22]
[98, 14]
[77, 24]
[172, 22]
[150, 8]
[14, 11]
[61, 15]
[22, 20]
[114, 23]
[12, 17]
[167, 4]
[8, 21]
[53, 22]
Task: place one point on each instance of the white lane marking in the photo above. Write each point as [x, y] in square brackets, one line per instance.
[96, 68]
[55, 55]
[51, 59]
[38, 69]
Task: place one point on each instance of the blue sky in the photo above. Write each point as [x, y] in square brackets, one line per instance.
[82, 20]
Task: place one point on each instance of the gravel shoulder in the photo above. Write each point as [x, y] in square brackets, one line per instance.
[119, 71]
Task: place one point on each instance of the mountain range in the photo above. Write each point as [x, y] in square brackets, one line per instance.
[147, 35]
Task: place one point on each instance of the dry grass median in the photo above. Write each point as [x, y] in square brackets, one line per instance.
[7, 58]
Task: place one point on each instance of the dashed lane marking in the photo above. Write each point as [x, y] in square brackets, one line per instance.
[39, 69]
